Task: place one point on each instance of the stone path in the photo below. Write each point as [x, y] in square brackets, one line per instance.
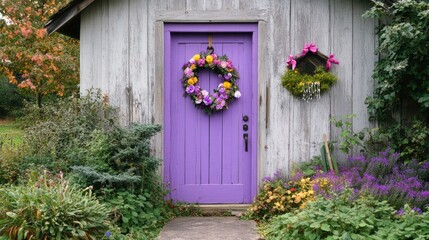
[209, 228]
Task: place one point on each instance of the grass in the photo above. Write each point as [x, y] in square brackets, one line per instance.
[10, 133]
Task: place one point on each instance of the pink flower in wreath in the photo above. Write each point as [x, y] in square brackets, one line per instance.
[223, 64]
[204, 93]
[188, 72]
[214, 56]
[201, 62]
[192, 61]
[199, 99]
[220, 103]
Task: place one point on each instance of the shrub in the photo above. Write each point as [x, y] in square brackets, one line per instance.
[57, 129]
[10, 161]
[278, 195]
[143, 212]
[338, 218]
[119, 158]
[50, 208]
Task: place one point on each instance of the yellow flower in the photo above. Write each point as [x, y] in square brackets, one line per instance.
[196, 57]
[193, 66]
[192, 81]
[227, 85]
[230, 70]
[209, 59]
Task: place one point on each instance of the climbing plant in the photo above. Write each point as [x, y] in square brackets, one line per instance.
[402, 73]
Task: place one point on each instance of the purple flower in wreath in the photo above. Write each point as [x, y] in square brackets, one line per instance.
[220, 103]
[227, 76]
[190, 89]
[221, 89]
[197, 89]
[207, 100]
[188, 72]
[215, 95]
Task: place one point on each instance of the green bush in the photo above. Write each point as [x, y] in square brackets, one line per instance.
[58, 128]
[118, 158]
[11, 99]
[143, 212]
[10, 164]
[50, 208]
[338, 218]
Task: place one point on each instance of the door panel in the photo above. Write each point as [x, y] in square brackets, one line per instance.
[207, 159]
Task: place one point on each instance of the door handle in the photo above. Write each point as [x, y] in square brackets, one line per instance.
[246, 141]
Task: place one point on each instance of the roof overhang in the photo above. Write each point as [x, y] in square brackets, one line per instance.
[67, 20]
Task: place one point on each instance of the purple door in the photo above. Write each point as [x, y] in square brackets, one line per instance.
[206, 160]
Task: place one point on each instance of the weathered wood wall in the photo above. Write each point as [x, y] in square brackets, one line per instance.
[120, 54]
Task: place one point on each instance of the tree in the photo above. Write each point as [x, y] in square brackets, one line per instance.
[31, 59]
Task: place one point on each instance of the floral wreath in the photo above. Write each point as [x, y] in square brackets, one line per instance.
[307, 85]
[224, 94]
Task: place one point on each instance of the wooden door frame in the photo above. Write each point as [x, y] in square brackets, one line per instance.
[257, 17]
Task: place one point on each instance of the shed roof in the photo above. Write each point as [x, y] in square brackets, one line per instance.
[67, 19]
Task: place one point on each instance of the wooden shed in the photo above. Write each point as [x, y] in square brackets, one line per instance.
[134, 51]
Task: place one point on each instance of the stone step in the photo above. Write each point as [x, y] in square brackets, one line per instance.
[234, 209]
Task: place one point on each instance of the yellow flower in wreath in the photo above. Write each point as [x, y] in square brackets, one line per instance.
[227, 85]
[209, 59]
[192, 81]
[196, 57]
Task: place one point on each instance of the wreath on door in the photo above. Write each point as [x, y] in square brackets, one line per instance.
[225, 93]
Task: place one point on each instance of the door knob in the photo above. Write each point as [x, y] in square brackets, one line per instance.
[246, 141]
[245, 127]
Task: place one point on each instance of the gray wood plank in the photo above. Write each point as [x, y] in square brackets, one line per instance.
[176, 4]
[279, 99]
[319, 109]
[91, 48]
[230, 4]
[300, 111]
[213, 5]
[118, 56]
[363, 62]
[212, 16]
[342, 47]
[195, 5]
[140, 104]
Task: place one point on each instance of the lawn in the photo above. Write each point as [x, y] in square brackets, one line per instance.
[10, 133]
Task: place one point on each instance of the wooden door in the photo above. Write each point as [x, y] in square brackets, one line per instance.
[206, 156]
